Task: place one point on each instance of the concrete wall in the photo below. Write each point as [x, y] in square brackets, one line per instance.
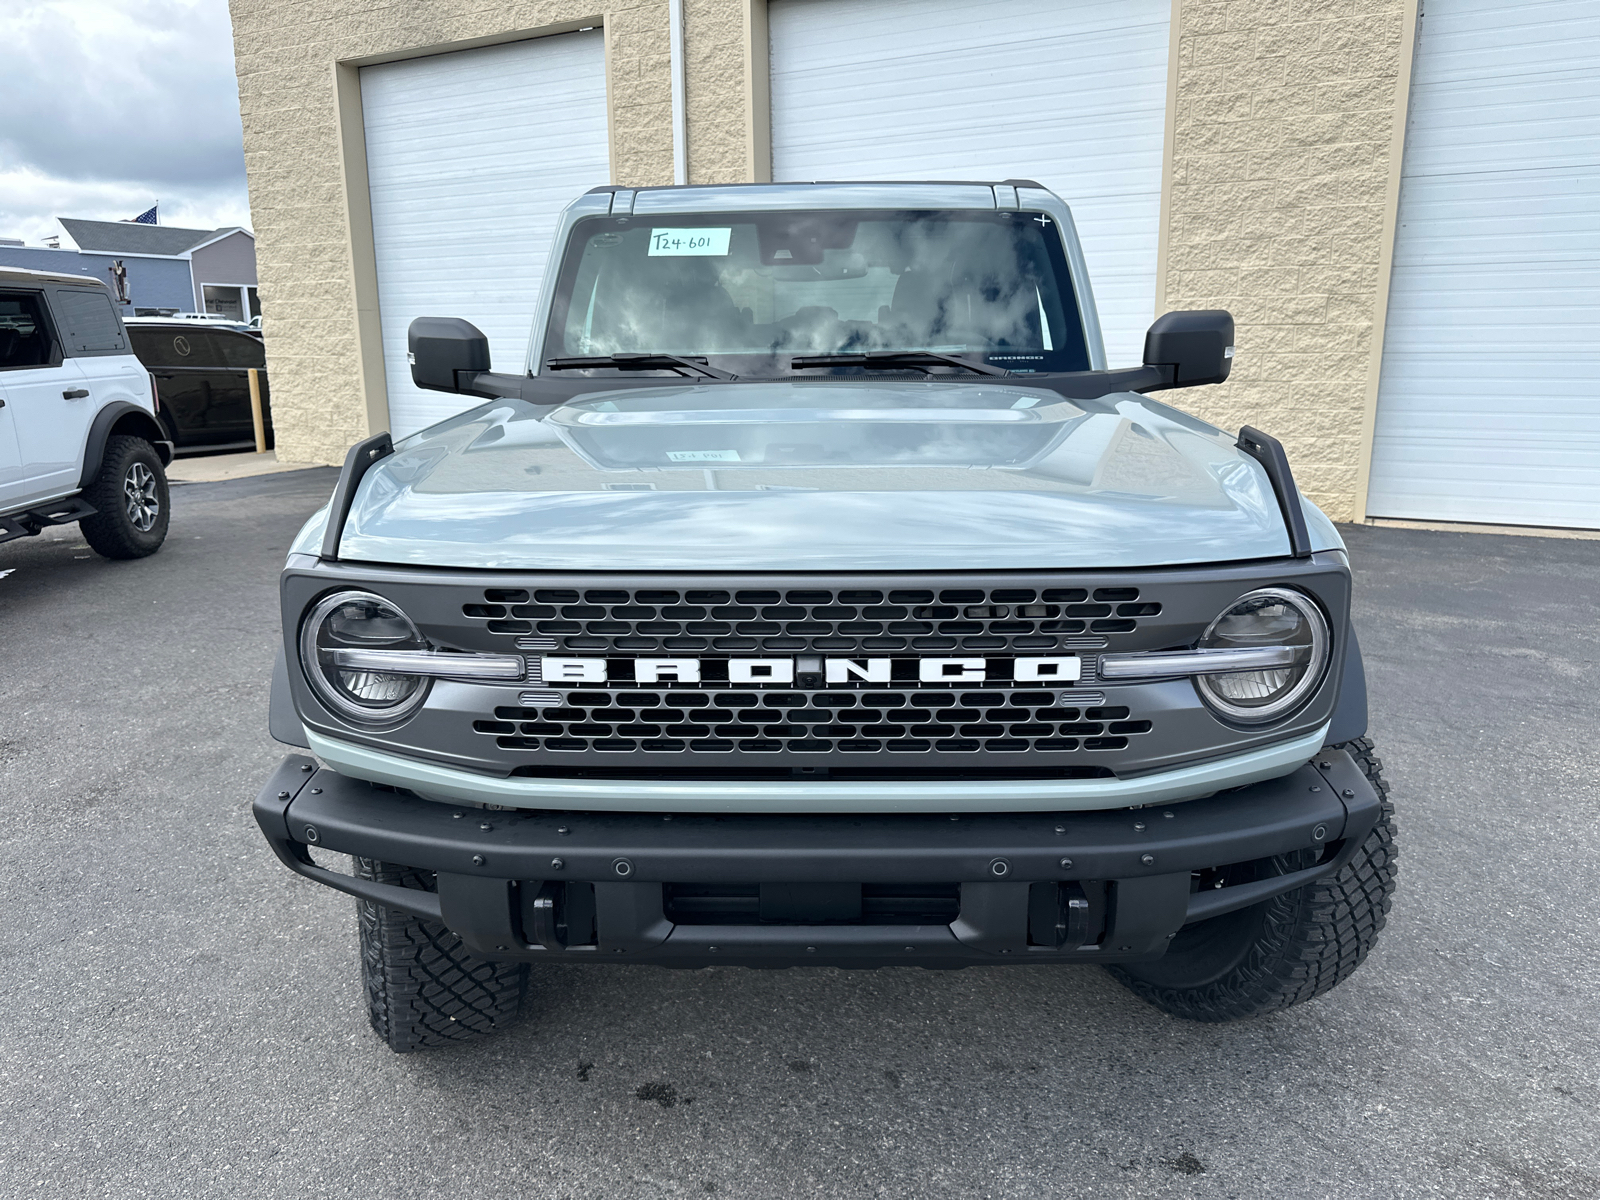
[1287, 124]
[1284, 133]
[230, 260]
[300, 100]
[152, 282]
[720, 41]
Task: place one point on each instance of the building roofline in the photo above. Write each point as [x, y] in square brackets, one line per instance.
[220, 235]
[184, 257]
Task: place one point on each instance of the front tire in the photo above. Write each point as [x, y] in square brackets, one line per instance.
[424, 988]
[1286, 950]
[132, 502]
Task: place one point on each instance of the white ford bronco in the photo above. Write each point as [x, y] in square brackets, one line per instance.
[816, 595]
[79, 440]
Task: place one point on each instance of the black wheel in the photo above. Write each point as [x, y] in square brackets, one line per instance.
[424, 988]
[1286, 950]
[133, 506]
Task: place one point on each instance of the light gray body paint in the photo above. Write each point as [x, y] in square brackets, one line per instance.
[1124, 482]
[449, 785]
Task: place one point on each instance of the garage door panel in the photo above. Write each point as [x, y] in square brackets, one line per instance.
[1497, 222]
[1469, 39]
[857, 31]
[470, 158]
[1070, 94]
[1489, 400]
[1563, 129]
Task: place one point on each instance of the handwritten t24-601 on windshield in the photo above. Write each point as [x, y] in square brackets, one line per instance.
[707, 243]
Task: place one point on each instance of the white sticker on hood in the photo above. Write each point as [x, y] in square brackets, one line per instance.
[703, 455]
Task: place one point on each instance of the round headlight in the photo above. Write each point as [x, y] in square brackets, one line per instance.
[1266, 617]
[360, 620]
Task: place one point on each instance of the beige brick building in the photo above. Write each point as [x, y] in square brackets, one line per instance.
[1243, 154]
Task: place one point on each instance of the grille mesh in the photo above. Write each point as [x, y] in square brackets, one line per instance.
[869, 721]
[639, 620]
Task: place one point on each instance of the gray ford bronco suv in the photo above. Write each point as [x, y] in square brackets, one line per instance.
[816, 595]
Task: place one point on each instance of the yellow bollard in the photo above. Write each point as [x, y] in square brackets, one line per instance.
[255, 411]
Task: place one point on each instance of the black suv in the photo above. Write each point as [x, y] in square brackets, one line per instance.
[202, 378]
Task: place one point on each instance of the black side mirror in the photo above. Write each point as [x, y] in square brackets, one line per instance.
[442, 346]
[1190, 348]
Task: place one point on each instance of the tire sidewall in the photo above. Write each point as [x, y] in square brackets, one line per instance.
[111, 530]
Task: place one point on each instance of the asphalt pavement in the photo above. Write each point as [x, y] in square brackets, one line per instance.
[182, 1017]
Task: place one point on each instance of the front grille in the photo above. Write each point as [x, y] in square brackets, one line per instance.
[849, 691]
[736, 621]
[869, 721]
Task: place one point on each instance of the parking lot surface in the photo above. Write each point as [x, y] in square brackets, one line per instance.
[183, 1016]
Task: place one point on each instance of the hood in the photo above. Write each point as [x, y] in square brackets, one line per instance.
[839, 474]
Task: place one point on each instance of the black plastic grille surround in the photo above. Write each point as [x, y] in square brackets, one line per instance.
[633, 725]
[736, 621]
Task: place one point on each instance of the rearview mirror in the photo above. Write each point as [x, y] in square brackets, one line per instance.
[440, 347]
[1191, 348]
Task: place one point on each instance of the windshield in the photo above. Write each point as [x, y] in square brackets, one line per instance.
[750, 292]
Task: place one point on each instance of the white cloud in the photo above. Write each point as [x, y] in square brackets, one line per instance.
[110, 108]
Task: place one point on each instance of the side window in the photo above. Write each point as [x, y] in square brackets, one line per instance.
[88, 322]
[154, 346]
[197, 347]
[239, 349]
[24, 335]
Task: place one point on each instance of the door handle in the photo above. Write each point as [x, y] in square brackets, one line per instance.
[75, 394]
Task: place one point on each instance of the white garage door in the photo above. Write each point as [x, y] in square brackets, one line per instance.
[470, 157]
[1489, 405]
[1071, 93]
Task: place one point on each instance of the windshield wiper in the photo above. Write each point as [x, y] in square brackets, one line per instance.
[890, 359]
[638, 361]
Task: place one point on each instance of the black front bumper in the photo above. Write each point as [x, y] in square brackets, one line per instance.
[1133, 875]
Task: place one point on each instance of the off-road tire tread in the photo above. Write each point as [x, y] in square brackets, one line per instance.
[1314, 937]
[424, 987]
[109, 532]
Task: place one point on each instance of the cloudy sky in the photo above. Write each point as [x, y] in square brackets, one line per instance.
[107, 107]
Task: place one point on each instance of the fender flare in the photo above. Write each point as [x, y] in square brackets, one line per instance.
[1349, 719]
[120, 417]
[283, 722]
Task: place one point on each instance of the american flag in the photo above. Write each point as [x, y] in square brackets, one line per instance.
[148, 217]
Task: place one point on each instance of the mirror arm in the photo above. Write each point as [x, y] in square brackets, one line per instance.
[490, 385]
[1153, 377]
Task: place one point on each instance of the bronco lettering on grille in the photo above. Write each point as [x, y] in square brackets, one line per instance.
[846, 671]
